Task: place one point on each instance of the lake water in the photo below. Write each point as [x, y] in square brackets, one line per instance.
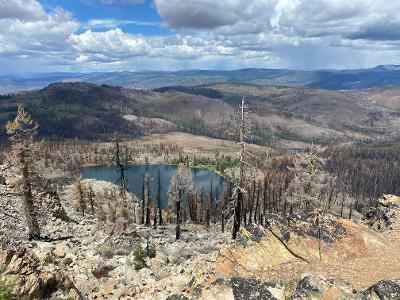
[203, 179]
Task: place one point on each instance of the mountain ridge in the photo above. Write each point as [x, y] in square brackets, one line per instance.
[288, 114]
[351, 79]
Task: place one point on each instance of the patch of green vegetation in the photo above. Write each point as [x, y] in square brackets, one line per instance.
[150, 249]
[139, 258]
[290, 288]
[140, 253]
[219, 164]
[6, 288]
[105, 251]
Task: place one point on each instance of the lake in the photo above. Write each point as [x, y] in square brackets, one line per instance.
[203, 179]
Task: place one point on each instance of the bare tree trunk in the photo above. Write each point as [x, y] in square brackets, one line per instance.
[160, 220]
[257, 205]
[252, 200]
[91, 200]
[178, 216]
[147, 202]
[143, 200]
[222, 220]
[155, 217]
[239, 200]
[31, 221]
[342, 207]
[238, 211]
[351, 209]
[81, 196]
[210, 206]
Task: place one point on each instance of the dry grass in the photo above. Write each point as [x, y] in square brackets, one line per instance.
[196, 143]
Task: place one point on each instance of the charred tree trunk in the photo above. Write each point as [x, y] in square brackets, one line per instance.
[91, 200]
[210, 206]
[178, 215]
[147, 201]
[143, 200]
[237, 216]
[252, 200]
[160, 220]
[30, 217]
[342, 206]
[257, 204]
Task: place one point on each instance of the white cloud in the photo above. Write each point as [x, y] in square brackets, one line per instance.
[306, 18]
[21, 9]
[207, 34]
[114, 23]
[113, 44]
[47, 34]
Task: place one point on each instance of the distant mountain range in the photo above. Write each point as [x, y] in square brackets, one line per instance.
[380, 76]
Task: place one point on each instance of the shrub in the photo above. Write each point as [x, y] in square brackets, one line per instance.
[140, 253]
[139, 258]
[102, 270]
[6, 288]
[106, 251]
[150, 249]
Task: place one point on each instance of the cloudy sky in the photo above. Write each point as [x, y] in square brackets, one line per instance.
[110, 35]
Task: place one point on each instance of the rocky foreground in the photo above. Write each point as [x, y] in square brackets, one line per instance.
[79, 258]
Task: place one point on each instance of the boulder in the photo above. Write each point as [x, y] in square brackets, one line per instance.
[383, 290]
[60, 251]
[252, 289]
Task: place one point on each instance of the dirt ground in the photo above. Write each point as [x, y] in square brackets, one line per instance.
[196, 143]
[361, 259]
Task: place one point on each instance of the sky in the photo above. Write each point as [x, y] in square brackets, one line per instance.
[135, 35]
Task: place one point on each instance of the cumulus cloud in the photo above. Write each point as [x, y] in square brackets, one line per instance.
[47, 34]
[21, 9]
[199, 14]
[114, 23]
[307, 18]
[383, 30]
[301, 34]
[32, 39]
[113, 44]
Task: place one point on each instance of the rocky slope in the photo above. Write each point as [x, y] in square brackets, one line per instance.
[83, 258]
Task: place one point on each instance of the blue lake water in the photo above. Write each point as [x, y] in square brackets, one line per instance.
[204, 180]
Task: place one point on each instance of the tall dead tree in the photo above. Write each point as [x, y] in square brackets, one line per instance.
[79, 196]
[21, 132]
[160, 220]
[181, 186]
[143, 198]
[121, 163]
[147, 199]
[243, 130]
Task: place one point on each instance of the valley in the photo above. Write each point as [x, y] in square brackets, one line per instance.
[199, 150]
[289, 117]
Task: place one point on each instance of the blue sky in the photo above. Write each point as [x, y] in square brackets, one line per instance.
[148, 21]
[133, 35]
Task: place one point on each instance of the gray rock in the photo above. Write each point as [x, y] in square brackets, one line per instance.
[385, 290]
[306, 287]
[252, 289]
[178, 297]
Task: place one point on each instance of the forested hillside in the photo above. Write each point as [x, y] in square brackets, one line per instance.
[287, 114]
